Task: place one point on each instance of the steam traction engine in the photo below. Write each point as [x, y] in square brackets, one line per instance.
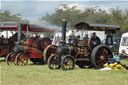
[6, 44]
[82, 52]
[30, 48]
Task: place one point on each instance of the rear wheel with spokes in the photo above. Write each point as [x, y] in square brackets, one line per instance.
[48, 51]
[100, 56]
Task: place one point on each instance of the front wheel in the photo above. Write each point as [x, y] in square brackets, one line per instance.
[21, 59]
[68, 63]
[100, 56]
[54, 62]
[10, 59]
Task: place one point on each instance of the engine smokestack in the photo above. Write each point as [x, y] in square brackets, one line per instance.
[19, 33]
[64, 24]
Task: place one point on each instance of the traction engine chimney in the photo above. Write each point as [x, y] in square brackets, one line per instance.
[19, 33]
[64, 24]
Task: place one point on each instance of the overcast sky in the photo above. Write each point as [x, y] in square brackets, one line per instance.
[34, 9]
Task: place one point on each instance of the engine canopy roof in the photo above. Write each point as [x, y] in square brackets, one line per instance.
[13, 26]
[95, 27]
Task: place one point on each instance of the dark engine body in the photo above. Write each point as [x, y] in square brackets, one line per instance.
[77, 48]
[82, 51]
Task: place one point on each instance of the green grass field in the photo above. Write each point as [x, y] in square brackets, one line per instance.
[41, 75]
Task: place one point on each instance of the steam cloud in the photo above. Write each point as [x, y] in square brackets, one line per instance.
[45, 24]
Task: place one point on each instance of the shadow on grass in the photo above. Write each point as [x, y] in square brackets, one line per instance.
[84, 67]
[36, 64]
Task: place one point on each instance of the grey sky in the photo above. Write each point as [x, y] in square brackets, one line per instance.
[33, 9]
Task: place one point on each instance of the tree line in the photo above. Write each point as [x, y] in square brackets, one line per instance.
[114, 16]
[6, 16]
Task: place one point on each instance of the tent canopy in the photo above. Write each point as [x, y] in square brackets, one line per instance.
[13, 26]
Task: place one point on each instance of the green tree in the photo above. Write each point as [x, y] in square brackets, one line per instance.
[8, 16]
[115, 16]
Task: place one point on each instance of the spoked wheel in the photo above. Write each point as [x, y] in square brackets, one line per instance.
[100, 56]
[68, 63]
[48, 51]
[54, 62]
[10, 59]
[21, 59]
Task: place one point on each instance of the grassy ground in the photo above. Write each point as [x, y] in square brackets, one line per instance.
[41, 75]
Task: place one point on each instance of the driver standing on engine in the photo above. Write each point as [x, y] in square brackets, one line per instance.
[93, 34]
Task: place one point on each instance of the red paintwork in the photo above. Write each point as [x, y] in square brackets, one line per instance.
[33, 28]
[8, 28]
[32, 47]
[28, 49]
[46, 42]
[36, 54]
[25, 27]
[4, 50]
